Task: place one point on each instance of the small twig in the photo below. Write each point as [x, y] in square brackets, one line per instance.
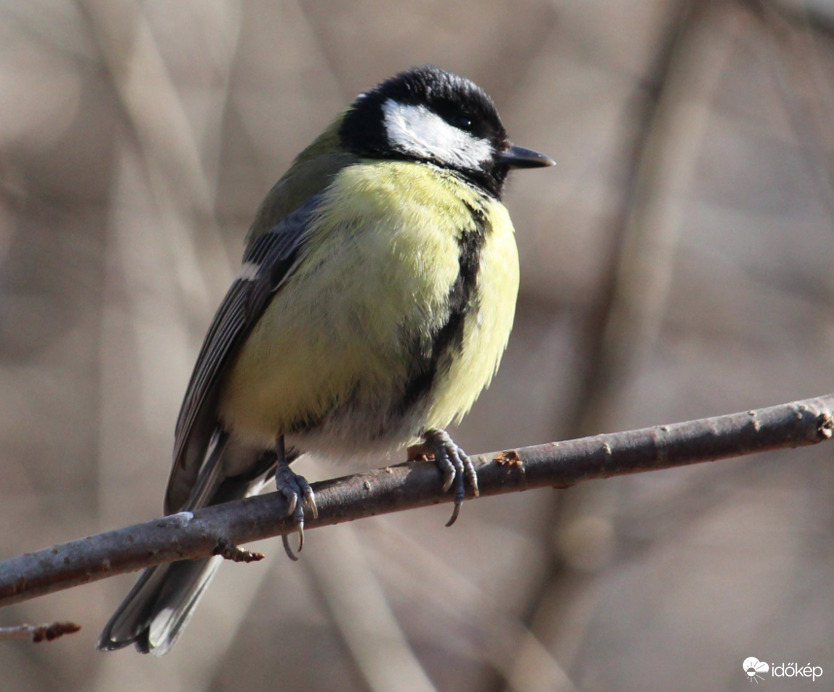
[196, 535]
[38, 633]
[229, 551]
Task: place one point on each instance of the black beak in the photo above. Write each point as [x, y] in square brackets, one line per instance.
[519, 157]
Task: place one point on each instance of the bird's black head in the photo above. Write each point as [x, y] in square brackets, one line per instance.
[429, 115]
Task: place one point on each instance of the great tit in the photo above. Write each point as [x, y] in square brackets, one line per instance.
[374, 302]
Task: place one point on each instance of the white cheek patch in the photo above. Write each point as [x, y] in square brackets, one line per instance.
[416, 130]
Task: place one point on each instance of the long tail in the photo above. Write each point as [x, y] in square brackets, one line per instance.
[159, 606]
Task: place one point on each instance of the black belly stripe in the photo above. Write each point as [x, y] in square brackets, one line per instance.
[447, 340]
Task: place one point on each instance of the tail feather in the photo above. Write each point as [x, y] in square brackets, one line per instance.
[161, 603]
[159, 606]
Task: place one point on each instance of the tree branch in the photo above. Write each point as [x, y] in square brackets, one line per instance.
[218, 529]
[38, 633]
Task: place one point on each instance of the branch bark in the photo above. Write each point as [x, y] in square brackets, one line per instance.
[212, 530]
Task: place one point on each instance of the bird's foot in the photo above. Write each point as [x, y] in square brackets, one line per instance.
[298, 493]
[454, 464]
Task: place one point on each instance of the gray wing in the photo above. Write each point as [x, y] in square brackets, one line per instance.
[266, 264]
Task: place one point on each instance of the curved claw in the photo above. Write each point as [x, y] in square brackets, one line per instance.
[298, 493]
[455, 513]
[309, 498]
[288, 550]
[457, 468]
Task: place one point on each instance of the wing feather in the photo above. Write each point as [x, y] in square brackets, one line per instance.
[267, 262]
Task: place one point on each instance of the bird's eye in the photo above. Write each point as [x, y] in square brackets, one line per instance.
[453, 114]
[463, 122]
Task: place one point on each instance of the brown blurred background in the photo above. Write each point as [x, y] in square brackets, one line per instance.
[676, 264]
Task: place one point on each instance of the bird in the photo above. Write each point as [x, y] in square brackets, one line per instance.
[373, 304]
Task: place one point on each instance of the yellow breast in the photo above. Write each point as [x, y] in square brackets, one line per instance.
[337, 349]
